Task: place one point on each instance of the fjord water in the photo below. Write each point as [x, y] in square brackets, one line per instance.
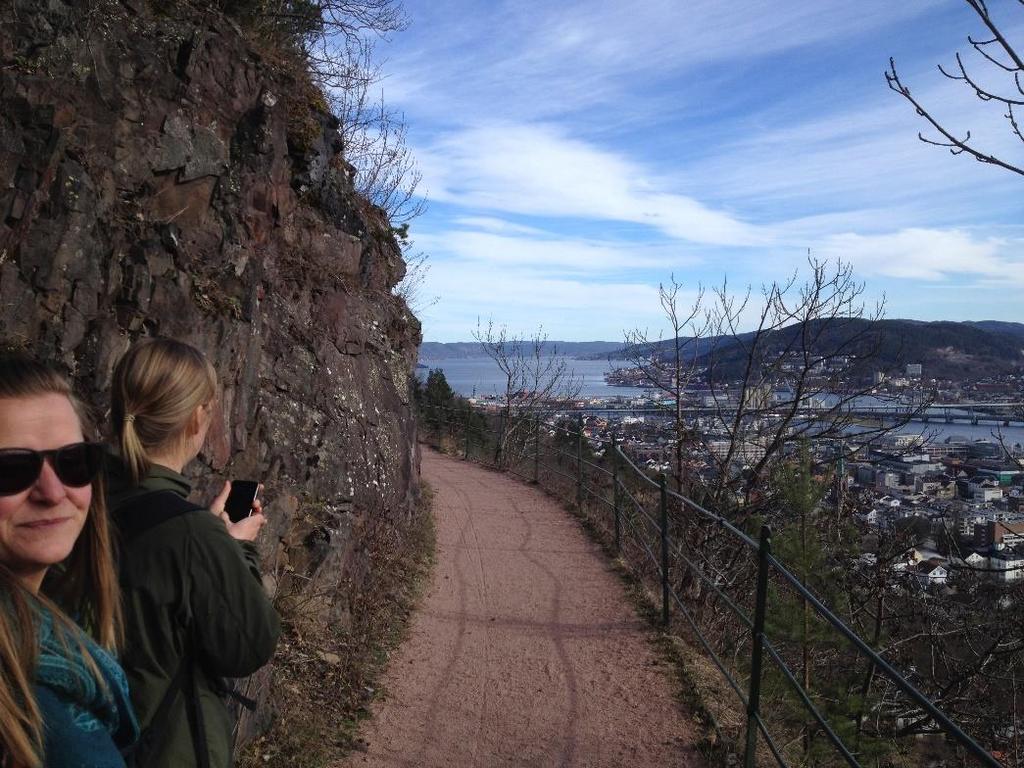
[480, 376]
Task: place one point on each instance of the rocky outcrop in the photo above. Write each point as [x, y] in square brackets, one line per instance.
[158, 175]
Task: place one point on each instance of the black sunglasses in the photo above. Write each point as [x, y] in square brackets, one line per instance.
[75, 465]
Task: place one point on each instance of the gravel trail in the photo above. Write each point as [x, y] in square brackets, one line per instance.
[525, 651]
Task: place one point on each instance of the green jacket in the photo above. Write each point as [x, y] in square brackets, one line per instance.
[188, 572]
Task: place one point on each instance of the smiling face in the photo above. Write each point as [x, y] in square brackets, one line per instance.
[39, 526]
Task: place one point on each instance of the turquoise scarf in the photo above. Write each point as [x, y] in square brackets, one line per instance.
[87, 721]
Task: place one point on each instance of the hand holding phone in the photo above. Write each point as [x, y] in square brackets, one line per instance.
[239, 504]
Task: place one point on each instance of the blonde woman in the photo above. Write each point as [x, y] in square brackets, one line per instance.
[195, 608]
[63, 698]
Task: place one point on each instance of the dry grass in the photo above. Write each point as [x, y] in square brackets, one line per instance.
[324, 684]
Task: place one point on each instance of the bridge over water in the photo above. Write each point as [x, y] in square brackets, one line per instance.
[1006, 414]
[1001, 414]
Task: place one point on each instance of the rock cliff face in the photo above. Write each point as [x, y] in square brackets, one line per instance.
[159, 176]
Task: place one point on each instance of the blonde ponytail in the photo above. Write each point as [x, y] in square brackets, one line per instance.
[157, 386]
[132, 450]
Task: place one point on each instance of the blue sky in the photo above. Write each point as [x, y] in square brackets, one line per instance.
[576, 154]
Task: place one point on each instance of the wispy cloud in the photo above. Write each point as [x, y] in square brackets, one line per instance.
[863, 155]
[549, 59]
[538, 170]
[490, 224]
[932, 255]
[557, 255]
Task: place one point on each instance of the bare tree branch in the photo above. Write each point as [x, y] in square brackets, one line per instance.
[336, 40]
[535, 376]
[949, 139]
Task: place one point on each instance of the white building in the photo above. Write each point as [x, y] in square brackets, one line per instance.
[931, 573]
[1007, 565]
[976, 560]
[984, 491]
[884, 479]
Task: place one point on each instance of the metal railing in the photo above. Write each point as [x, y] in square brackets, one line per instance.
[537, 451]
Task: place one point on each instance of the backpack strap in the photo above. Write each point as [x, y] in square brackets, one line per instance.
[195, 719]
[134, 519]
[152, 738]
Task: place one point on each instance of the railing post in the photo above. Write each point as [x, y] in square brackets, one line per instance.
[615, 495]
[536, 449]
[465, 428]
[664, 548]
[757, 645]
[579, 461]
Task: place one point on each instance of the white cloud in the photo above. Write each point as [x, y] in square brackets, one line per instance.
[554, 254]
[490, 224]
[581, 290]
[927, 254]
[538, 170]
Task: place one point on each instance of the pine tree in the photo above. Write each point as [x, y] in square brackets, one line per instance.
[437, 401]
[820, 660]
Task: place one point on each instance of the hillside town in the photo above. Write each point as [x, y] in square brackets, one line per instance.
[957, 500]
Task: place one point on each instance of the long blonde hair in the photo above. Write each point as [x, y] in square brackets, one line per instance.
[85, 587]
[156, 388]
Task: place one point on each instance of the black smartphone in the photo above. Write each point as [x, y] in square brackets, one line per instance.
[239, 503]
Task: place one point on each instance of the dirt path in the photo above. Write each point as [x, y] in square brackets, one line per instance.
[525, 651]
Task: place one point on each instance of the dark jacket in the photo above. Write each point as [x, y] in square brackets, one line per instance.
[188, 587]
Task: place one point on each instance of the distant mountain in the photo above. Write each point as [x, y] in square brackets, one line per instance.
[946, 350]
[433, 350]
[689, 346]
[999, 326]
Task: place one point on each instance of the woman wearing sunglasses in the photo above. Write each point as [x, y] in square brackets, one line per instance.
[195, 607]
[63, 697]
